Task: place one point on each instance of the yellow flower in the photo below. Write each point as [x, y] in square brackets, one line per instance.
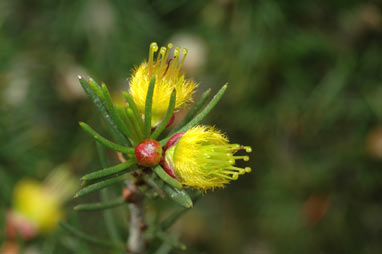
[168, 77]
[39, 204]
[202, 158]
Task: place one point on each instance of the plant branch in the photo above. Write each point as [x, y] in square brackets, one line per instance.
[136, 241]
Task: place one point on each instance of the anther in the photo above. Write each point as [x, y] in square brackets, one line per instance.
[248, 149]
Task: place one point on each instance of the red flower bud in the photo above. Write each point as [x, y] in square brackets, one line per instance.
[148, 153]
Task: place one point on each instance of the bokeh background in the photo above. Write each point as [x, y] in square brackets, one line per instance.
[305, 91]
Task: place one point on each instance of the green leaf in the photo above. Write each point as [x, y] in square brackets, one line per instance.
[179, 196]
[100, 185]
[167, 117]
[117, 135]
[123, 115]
[135, 122]
[83, 236]
[170, 240]
[148, 108]
[96, 88]
[110, 223]
[114, 116]
[167, 178]
[104, 141]
[100, 205]
[133, 106]
[195, 109]
[201, 115]
[111, 170]
[165, 248]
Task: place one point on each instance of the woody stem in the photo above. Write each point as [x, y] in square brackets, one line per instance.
[136, 241]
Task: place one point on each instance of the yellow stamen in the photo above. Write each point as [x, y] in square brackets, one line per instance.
[204, 159]
[168, 77]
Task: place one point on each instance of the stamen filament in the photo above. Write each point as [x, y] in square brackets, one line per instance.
[153, 48]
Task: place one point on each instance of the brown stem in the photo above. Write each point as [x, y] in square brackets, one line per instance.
[136, 241]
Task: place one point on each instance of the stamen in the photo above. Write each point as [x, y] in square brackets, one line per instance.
[168, 65]
[152, 50]
[234, 176]
[174, 63]
[234, 147]
[245, 158]
[169, 46]
[240, 170]
[185, 52]
[248, 149]
[247, 169]
[162, 53]
[164, 69]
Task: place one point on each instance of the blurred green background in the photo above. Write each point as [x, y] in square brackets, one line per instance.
[305, 91]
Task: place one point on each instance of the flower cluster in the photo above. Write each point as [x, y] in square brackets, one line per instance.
[187, 154]
[201, 157]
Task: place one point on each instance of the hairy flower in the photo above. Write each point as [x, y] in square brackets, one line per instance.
[203, 158]
[37, 206]
[168, 77]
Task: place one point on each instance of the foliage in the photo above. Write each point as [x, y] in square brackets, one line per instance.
[305, 89]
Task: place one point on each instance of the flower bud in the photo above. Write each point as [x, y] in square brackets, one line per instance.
[148, 153]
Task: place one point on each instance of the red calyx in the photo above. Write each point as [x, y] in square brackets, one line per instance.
[148, 153]
[173, 140]
[170, 143]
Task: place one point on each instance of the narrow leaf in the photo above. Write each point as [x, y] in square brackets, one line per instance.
[117, 135]
[83, 236]
[167, 178]
[110, 170]
[167, 117]
[179, 196]
[115, 117]
[165, 248]
[201, 115]
[148, 107]
[135, 122]
[195, 109]
[110, 222]
[100, 205]
[96, 88]
[122, 114]
[133, 106]
[100, 185]
[170, 240]
[104, 141]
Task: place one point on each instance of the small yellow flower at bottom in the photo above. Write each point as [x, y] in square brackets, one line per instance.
[203, 158]
[168, 77]
[37, 206]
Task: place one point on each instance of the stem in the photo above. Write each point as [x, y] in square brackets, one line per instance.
[136, 241]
